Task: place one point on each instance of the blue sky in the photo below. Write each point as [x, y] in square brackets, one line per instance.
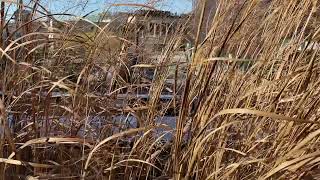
[83, 7]
[77, 6]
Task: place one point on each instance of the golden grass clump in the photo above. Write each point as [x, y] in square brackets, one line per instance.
[246, 105]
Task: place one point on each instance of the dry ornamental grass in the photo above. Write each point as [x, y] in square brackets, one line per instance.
[245, 105]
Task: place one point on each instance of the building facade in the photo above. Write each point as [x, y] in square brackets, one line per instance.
[154, 28]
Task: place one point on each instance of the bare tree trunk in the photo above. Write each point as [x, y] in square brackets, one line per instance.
[2, 118]
[2, 22]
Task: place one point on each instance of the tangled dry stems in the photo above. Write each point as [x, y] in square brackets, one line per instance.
[249, 103]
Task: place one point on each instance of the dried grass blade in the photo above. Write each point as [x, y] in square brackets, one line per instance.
[23, 163]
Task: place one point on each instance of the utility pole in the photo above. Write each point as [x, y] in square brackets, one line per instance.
[209, 12]
[49, 19]
[50, 26]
